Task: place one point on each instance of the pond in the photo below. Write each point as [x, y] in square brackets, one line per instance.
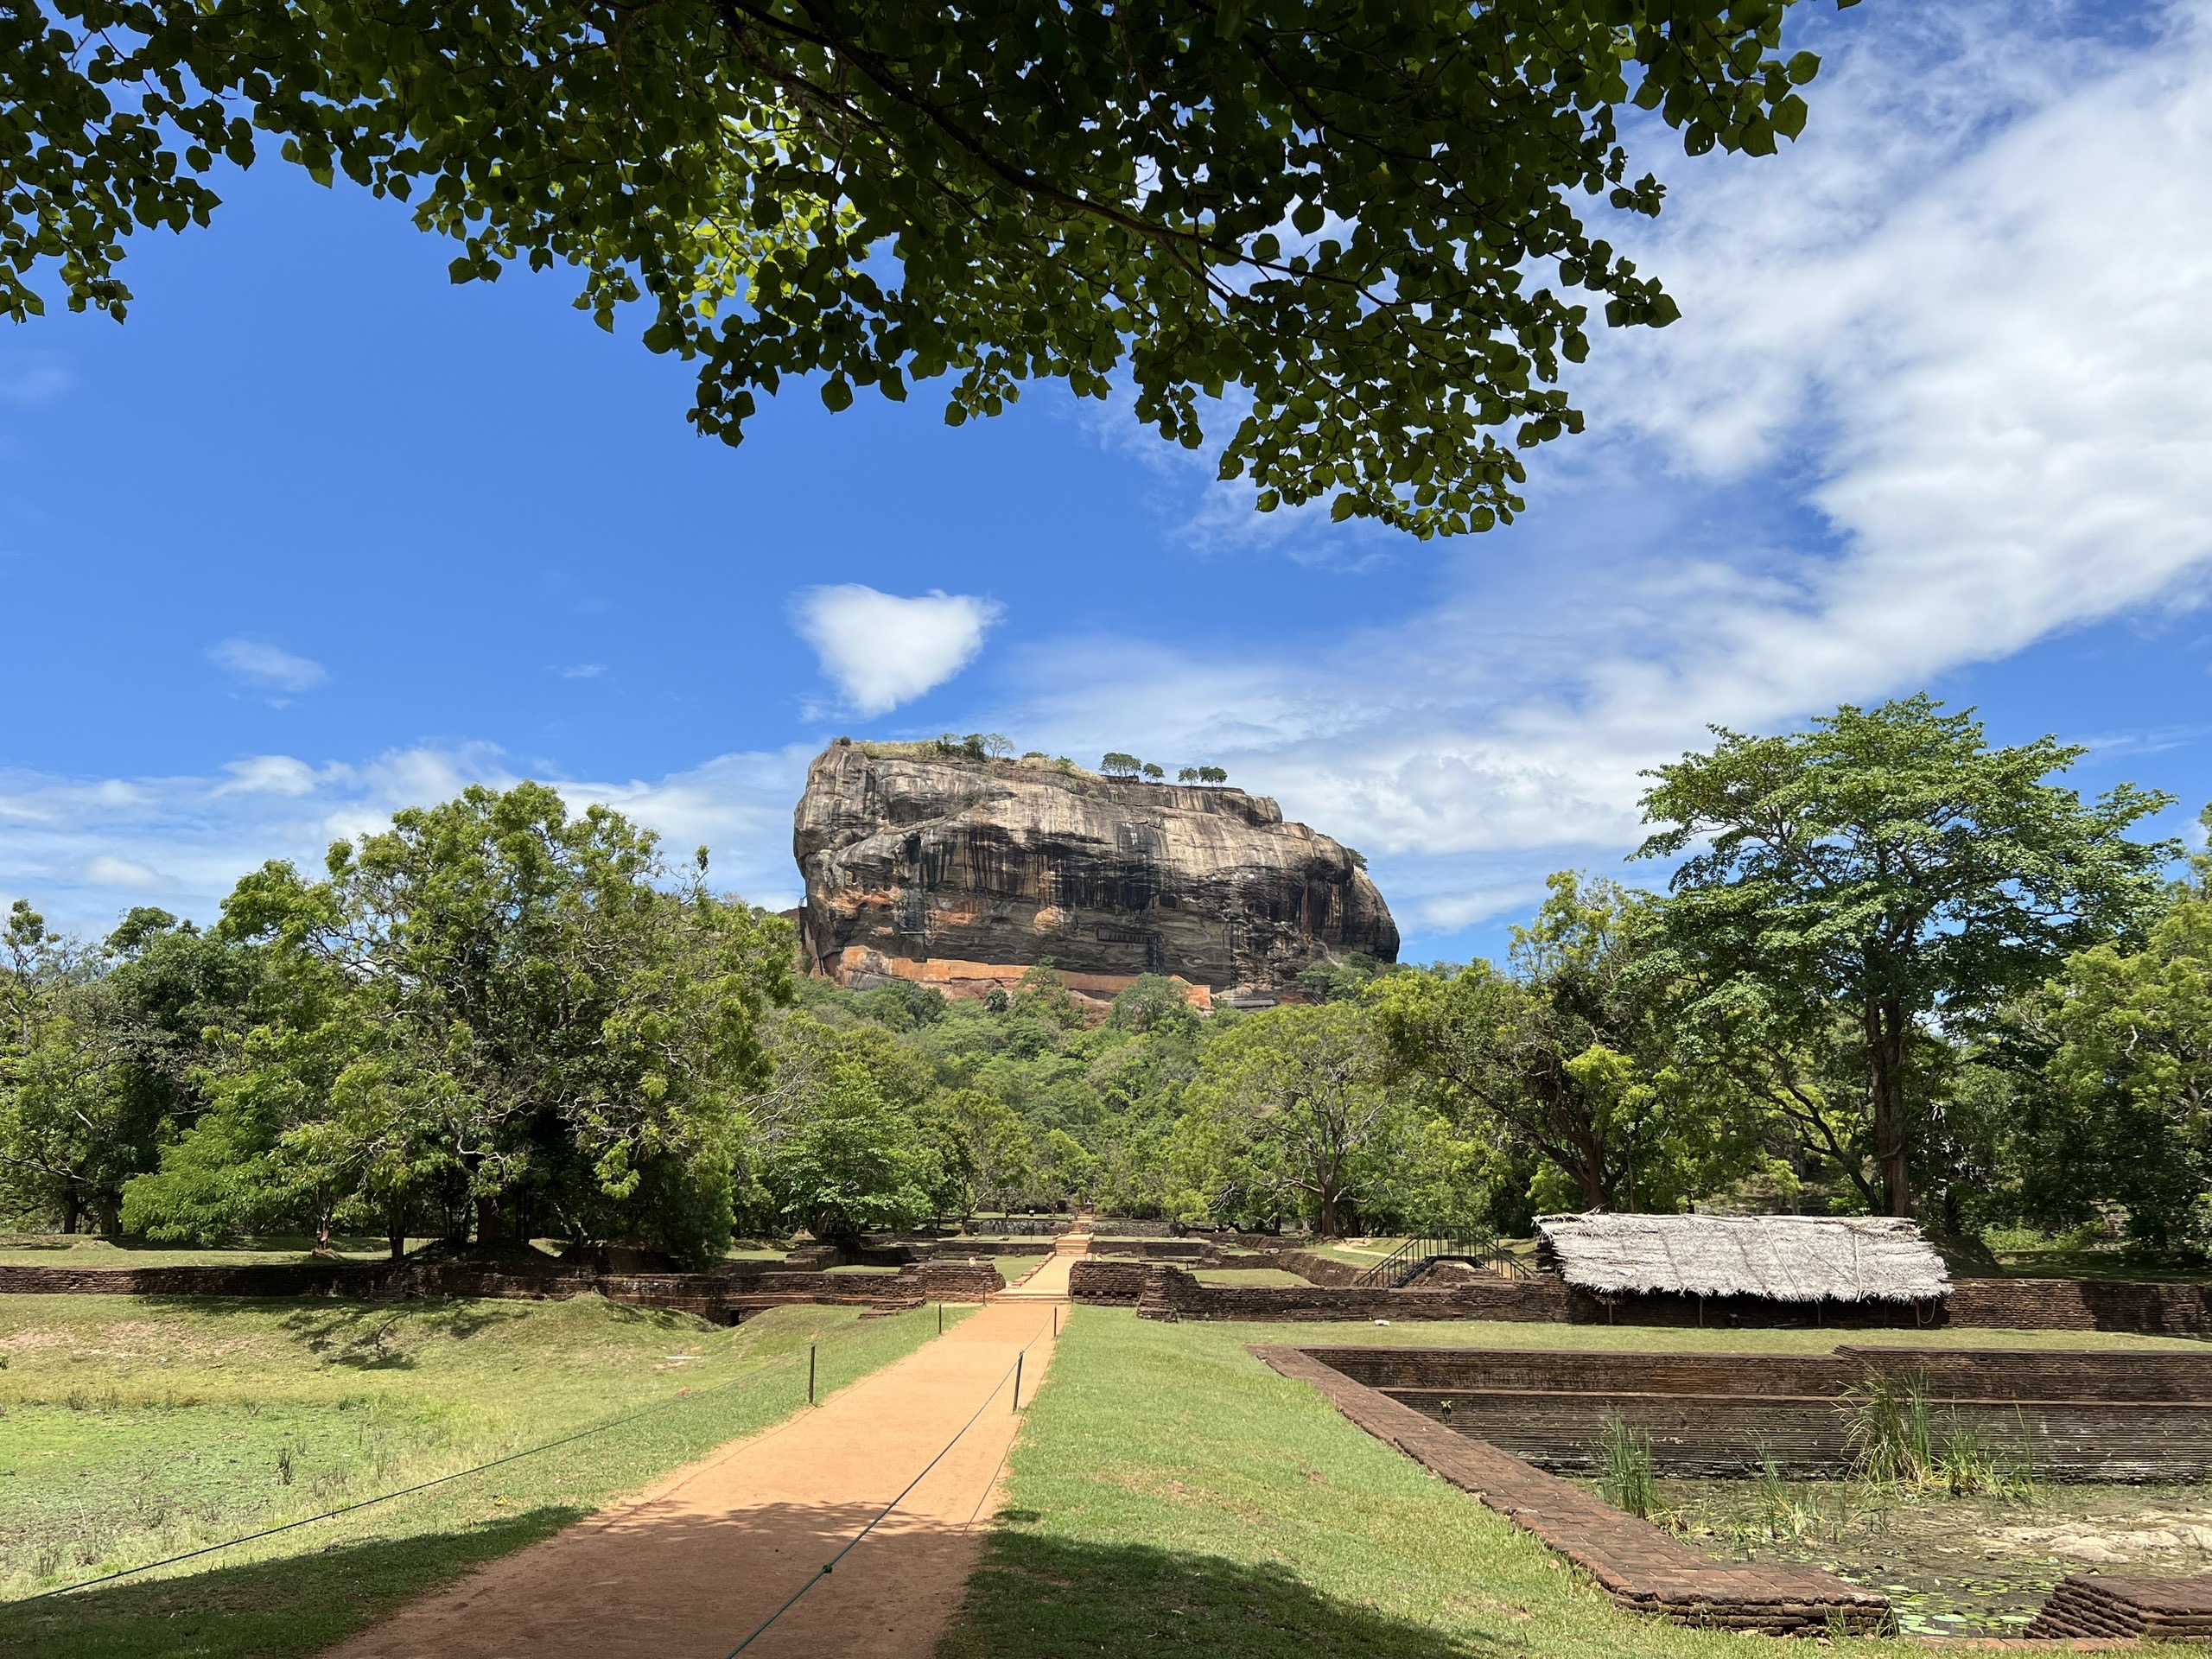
[1973, 1565]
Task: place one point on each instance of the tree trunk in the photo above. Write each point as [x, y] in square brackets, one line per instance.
[487, 1219]
[70, 1208]
[395, 1228]
[1328, 1224]
[1886, 1030]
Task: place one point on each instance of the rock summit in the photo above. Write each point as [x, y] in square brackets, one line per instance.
[929, 865]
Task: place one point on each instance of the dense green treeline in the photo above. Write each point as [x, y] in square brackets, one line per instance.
[1893, 970]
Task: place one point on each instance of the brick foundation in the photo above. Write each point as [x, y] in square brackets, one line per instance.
[2157, 1310]
[1637, 1564]
[2087, 1417]
[2162, 1310]
[1172, 1293]
[740, 1287]
[1113, 1284]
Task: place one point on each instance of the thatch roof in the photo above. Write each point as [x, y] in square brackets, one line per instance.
[1786, 1258]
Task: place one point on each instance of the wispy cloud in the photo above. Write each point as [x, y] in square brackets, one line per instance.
[1942, 389]
[30, 379]
[86, 850]
[880, 650]
[582, 670]
[258, 663]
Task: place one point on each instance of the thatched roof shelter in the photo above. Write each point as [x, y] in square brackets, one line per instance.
[1784, 1258]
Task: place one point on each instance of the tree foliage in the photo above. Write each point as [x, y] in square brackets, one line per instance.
[1885, 867]
[494, 1012]
[1568, 1054]
[2120, 1114]
[1302, 1123]
[1362, 216]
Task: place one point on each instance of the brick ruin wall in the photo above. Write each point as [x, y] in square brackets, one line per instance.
[2087, 1417]
[2160, 1310]
[1109, 1284]
[1169, 1293]
[741, 1286]
[2168, 1310]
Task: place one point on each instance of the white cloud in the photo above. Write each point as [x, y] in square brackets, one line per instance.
[270, 667]
[880, 650]
[582, 670]
[108, 871]
[1942, 389]
[267, 774]
[30, 379]
[86, 850]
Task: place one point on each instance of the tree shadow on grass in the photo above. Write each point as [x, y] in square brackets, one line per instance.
[366, 1336]
[280, 1609]
[1042, 1598]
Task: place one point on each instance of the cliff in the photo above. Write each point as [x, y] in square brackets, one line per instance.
[914, 857]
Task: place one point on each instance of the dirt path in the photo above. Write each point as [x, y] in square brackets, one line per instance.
[688, 1569]
[1048, 1281]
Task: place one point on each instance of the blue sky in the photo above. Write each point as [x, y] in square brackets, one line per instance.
[315, 533]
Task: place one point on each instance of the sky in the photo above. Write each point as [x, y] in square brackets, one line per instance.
[317, 534]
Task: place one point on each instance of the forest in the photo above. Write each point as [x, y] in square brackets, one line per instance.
[1883, 966]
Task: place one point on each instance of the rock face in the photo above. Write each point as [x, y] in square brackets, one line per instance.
[914, 857]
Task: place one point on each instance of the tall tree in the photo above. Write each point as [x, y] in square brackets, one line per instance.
[521, 1004]
[2121, 1111]
[1568, 1054]
[1888, 867]
[1297, 1098]
[1364, 216]
[72, 1130]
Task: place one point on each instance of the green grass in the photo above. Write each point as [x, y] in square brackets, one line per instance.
[60, 1250]
[1171, 1495]
[1247, 1277]
[1012, 1268]
[132, 1428]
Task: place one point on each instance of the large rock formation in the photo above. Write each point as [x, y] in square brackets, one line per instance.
[982, 868]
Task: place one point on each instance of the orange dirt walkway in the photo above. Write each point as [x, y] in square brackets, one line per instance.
[1048, 1281]
[689, 1567]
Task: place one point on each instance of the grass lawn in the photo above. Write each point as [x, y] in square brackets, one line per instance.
[1171, 1495]
[2061, 1262]
[61, 1250]
[1247, 1276]
[1012, 1268]
[137, 1427]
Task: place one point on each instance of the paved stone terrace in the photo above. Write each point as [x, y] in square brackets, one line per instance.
[1636, 1564]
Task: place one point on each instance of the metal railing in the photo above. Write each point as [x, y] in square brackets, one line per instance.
[1415, 1256]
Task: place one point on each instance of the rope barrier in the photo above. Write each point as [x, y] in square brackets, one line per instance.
[686, 1398]
[853, 1542]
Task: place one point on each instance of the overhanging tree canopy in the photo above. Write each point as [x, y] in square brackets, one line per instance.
[1358, 211]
